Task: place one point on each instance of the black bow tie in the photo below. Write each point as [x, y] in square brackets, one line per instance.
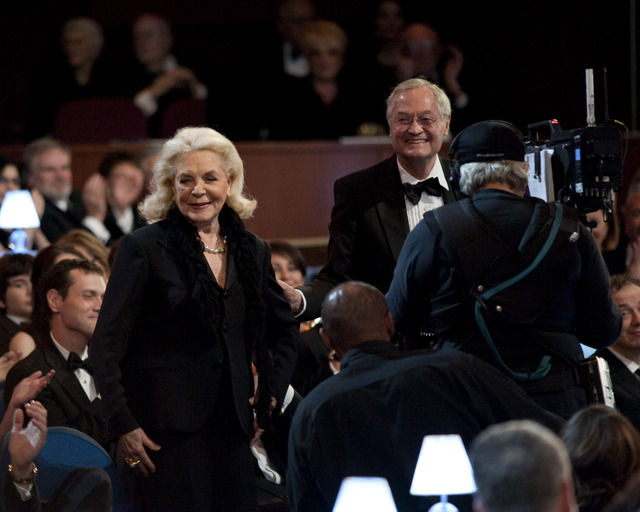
[74, 363]
[431, 186]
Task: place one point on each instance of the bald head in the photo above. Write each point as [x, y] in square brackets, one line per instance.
[353, 313]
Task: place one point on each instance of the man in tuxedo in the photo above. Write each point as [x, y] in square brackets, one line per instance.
[624, 355]
[156, 79]
[521, 466]
[371, 417]
[375, 208]
[72, 291]
[48, 163]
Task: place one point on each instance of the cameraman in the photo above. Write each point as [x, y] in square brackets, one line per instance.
[515, 281]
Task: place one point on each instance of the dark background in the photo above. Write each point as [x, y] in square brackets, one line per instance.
[524, 61]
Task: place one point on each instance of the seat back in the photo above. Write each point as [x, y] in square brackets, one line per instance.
[99, 120]
[67, 448]
[183, 112]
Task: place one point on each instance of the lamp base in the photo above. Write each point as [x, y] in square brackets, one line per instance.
[443, 507]
[19, 241]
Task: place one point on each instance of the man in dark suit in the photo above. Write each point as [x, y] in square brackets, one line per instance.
[624, 355]
[375, 208]
[72, 291]
[48, 162]
[371, 417]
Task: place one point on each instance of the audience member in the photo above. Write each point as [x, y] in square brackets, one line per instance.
[315, 361]
[604, 448]
[293, 17]
[389, 26]
[23, 342]
[488, 275]
[521, 466]
[10, 180]
[16, 301]
[148, 158]
[83, 73]
[606, 233]
[370, 419]
[326, 97]
[91, 247]
[80, 489]
[190, 304]
[122, 180]
[20, 492]
[48, 163]
[9, 176]
[624, 355]
[627, 500]
[73, 291]
[423, 55]
[156, 79]
[630, 244]
[373, 212]
[288, 263]
[26, 390]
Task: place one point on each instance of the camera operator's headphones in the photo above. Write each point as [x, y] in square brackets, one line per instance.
[454, 165]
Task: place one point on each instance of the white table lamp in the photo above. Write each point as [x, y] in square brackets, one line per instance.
[18, 213]
[358, 493]
[443, 468]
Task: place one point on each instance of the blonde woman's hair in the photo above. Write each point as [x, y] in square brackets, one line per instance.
[187, 140]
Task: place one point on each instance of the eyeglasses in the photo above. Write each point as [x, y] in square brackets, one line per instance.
[424, 121]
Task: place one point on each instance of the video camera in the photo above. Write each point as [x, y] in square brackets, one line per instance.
[581, 168]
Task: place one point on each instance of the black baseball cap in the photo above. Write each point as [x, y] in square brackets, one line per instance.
[488, 141]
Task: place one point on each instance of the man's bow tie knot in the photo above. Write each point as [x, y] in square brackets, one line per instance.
[75, 362]
[431, 186]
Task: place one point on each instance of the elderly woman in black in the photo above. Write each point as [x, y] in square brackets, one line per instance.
[191, 303]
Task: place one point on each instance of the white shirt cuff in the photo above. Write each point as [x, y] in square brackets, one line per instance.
[25, 494]
[304, 303]
[288, 397]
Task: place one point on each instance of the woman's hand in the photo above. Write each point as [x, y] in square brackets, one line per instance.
[25, 443]
[131, 447]
[29, 387]
[94, 196]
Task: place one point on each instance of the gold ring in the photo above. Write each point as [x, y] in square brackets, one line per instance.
[131, 462]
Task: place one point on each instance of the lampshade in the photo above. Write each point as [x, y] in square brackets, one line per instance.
[443, 468]
[372, 494]
[18, 211]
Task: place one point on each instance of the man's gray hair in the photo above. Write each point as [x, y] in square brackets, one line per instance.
[476, 175]
[519, 466]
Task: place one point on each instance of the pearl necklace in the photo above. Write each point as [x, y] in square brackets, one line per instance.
[211, 250]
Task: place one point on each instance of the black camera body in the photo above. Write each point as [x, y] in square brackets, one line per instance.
[586, 163]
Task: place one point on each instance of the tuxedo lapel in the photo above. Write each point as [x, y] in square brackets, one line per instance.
[623, 378]
[391, 208]
[67, 379]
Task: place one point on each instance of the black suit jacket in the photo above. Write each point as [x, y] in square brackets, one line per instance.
[155, 363]
[115, 231]
[56, 222]
[8, 329]
[626, 387]
[371, 417]
[368, 227]
[11, 501]
[64, 398]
